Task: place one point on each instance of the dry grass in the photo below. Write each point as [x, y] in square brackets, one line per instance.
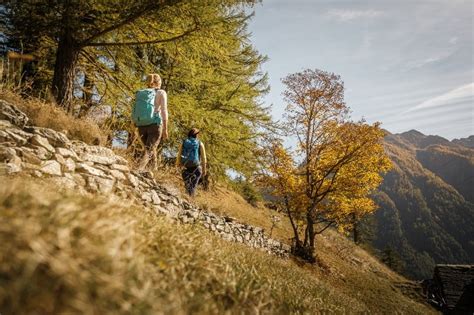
[340, 263]
[64, 253]
[48, 115]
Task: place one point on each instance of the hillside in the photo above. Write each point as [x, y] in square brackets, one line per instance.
[79, 239]
[426, 211]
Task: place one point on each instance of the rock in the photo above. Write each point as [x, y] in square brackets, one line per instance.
[117, 174]
[106, 160]
[59, 158]
[7, 154]
[12, 114]
[5, 137]
[11, 168]
[97, 154]
[120, 160]
[132, 180]
[84, 168]
[65, 182]
[155, 198]
[100, 184]
[42, 153]
[67, 153]
[51, 167]
[36, 173]
[119, 167]
[42, 142]
[28, 155]
[80, 180]
[106, 185]
[69, 165]
[5, 124]
[146, 196]
[18, 137]
[56, 138]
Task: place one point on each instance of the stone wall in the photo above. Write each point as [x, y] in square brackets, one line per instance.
[42, 152]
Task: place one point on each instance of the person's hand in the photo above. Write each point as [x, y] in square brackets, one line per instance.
[165, 134]
[204, 171]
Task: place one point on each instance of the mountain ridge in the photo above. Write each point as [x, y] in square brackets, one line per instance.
[426, 211]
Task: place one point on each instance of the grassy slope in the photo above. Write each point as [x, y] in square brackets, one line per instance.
[63, 252]
[341, 264]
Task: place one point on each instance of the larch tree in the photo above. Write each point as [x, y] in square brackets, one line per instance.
[74, 25]
[201, 49]
[340, 163]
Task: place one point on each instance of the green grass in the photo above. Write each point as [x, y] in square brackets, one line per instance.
[66, 253]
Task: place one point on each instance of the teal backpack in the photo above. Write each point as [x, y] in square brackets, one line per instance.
[143, 112]
[190, 153]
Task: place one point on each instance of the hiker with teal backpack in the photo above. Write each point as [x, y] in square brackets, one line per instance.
[192, 158]
[150, 116]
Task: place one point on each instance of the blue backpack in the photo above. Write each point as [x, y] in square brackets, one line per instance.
[190, 153]
[143, 112]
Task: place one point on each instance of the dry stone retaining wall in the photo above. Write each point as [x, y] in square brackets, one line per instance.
[43, 152]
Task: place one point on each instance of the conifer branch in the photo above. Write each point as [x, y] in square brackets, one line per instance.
[146, 42]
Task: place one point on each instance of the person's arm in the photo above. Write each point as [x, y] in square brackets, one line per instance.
[202, 156]
[161, 102]
[178, 157]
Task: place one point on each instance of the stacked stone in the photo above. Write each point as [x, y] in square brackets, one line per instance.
[43, 152]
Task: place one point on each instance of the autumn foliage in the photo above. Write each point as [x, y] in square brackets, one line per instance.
[329, 177]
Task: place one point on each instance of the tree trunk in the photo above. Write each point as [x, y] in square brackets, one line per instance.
[355, 229]
[64, 70]
[311, 233]
[305, 250]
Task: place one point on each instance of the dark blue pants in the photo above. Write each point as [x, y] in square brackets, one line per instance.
[191, 176]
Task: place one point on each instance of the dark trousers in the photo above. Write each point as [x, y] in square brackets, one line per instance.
[191, 176]
[150, 136]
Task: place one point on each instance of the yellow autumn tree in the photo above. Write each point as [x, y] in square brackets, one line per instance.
[328, 179]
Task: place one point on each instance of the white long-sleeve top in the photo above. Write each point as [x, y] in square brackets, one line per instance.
[161, 105]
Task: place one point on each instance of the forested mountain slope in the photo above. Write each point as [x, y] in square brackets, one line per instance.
[426, 212]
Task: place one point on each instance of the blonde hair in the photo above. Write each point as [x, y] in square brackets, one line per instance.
[153, 80]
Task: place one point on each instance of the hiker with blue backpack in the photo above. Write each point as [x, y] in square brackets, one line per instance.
[150, 116]
[192, 158]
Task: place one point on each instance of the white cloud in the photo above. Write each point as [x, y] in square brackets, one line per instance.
[453, 40]
[350, 15]
[464, 93]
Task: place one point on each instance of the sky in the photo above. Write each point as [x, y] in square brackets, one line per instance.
[407, 64]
